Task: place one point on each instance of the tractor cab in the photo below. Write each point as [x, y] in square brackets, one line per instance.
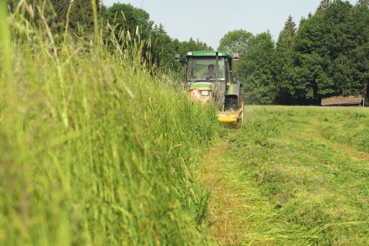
[209, 78]
[210, 73]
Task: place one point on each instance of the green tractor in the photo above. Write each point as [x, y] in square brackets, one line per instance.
[209, 78]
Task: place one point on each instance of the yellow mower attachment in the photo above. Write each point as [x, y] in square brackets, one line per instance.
[232, 119]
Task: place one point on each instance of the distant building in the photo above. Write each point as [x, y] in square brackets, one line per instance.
[344, 101]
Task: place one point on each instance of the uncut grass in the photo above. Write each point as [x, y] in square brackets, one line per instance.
[95, 149]
[300, 186]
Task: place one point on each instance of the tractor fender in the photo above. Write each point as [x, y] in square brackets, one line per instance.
[234, 90]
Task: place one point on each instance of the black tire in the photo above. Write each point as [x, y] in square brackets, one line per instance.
[230, 104]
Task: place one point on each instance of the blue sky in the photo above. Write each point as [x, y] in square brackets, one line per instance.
[210, 20]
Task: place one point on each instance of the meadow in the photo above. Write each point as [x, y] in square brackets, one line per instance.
[96, 147]
[291, 176]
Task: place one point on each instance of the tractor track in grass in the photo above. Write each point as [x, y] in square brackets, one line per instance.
[363, 156]
[229, 206]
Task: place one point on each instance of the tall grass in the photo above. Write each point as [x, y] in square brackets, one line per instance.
[95, 149]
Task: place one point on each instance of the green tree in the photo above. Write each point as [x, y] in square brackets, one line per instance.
[125, 17]
[235, 41]
[306, 67]
[324, 4]
[54, 11]
[364, 2]
[258, 79]
[163, 48]
[341, 41]
[82, 14]
[203, 45]
[302, 21]
[59, 12]
[361, 52]
[331, 53]
[284, 52]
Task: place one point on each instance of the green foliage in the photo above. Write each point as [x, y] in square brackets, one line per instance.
[340, 41]
[282, 62]
[255, 68]
[54, 13]
[60, 11]
[235, 41]
[162, 48]
[331, 54]
[306, 67]
[259, 83]
[81, 14]
[327, 56]
[126, 17]
[365, 2]
[203, 46]
[324, 4]
[96, 148]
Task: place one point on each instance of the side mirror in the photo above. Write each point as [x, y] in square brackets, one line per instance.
[177, 57]
[236, 57]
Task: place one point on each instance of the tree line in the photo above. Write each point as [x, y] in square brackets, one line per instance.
[120, 18]
[326, 55]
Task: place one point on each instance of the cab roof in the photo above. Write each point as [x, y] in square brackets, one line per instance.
[209, 53]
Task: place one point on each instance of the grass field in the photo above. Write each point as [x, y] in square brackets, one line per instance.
[291, 176]
[96, 148]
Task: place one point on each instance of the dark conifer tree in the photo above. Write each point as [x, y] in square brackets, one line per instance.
[364, 2]
[58, 14]
[302, 21]
[258, 79]
[340, 40]
[361, 52]
[82, 13]
[284, 51]
[324, 4]
[306, 67]
[161, 29]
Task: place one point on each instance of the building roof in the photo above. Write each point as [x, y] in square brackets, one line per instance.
[209, 53]
[342, 100]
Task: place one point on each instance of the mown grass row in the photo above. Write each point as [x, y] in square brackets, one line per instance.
[95, 148]
[349, 127]
[302, 175]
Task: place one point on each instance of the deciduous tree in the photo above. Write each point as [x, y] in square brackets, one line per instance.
[235, 41]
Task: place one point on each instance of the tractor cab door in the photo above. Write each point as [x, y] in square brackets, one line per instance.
[202, 70]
